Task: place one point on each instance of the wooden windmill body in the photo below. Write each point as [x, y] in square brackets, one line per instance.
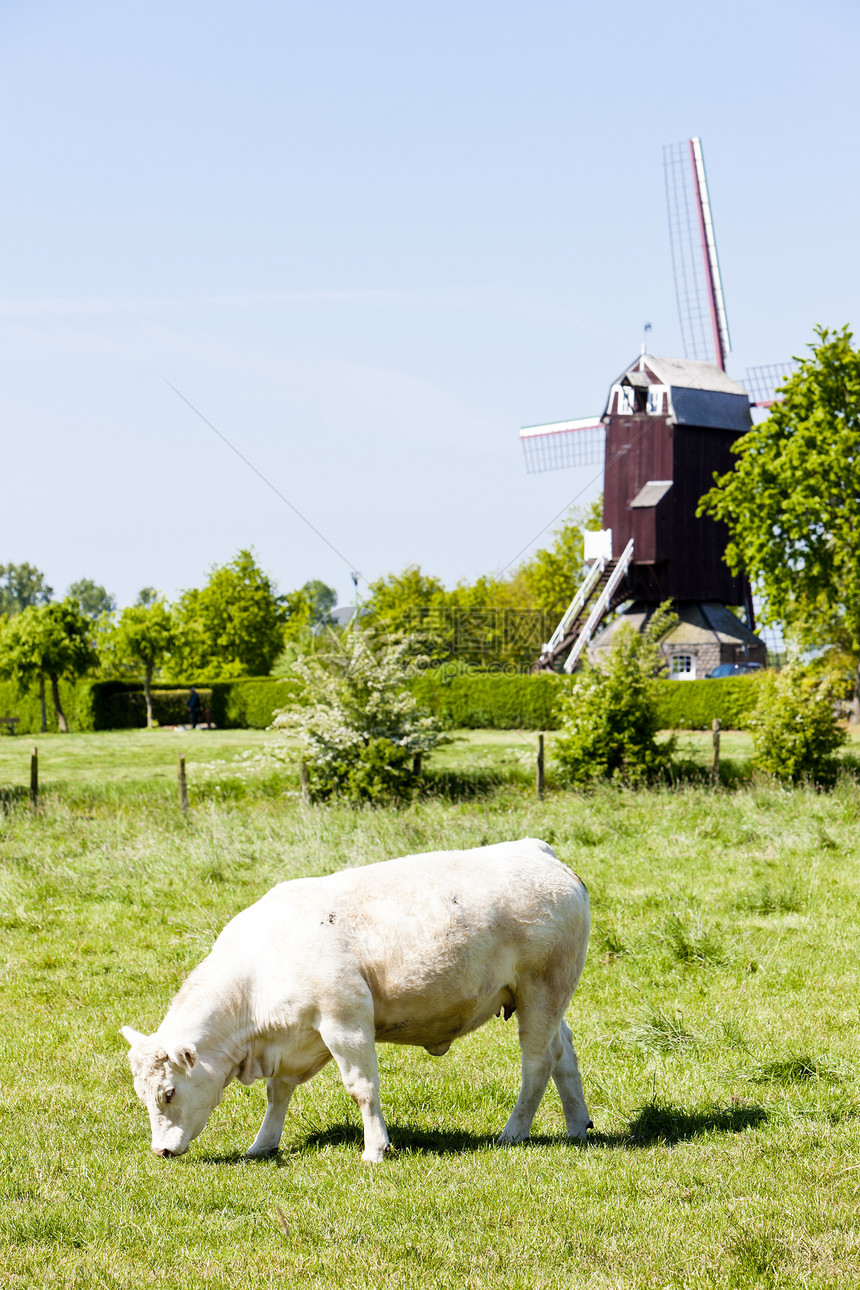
[668, 426]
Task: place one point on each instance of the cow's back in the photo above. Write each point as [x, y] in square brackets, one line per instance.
[441, 940]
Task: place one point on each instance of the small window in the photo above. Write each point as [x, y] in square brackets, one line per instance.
[683, 667]
[625, 400]
[655, 401]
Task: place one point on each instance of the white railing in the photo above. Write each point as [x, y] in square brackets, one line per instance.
[600, 608]
[576, 605]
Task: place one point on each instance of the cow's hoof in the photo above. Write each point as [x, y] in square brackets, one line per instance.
[511, 1139]
[260, 1153]
[377, 1155]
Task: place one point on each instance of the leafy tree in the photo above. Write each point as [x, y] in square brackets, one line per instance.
[794, 729]
[91, 598]
[234, 625]
[359, 726]
[142, 637]
[494, 621]
[792, 503]
[22, 585]
[308, 610]
[146, 596]
[609, 715]
[47, 641]
[322, 600]
[552, 575]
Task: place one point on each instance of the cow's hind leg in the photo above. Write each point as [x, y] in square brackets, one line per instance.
[278, 1094]
[565, 1074]
[352, 1045]
[546, 1051]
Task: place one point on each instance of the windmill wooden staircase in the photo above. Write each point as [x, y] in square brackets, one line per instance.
[585, 612]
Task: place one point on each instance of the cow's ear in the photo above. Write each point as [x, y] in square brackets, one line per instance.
[185, 1057]
[133, 1036]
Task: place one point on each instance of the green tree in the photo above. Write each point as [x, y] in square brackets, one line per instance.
[552, 575]
[322, 600]
[495, 621]
[91, 598]
[143, 637]
[411, 607]
[792, 503]
[22, 585]
[234, 625]
[609, 715]
[50, 641]
[308, 610]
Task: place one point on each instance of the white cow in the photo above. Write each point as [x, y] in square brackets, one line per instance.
[419, 950]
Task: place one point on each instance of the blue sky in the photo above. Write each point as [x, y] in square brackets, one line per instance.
[369, 243]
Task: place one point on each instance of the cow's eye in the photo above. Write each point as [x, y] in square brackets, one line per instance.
[170, 1094]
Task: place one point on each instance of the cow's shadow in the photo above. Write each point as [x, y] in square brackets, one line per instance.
[654, 1123]
[663, 1122]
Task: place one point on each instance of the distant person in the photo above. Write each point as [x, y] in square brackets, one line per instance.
[193, 706]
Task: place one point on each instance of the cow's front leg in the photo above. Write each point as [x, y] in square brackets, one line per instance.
[278, 1094]
[352, 1045]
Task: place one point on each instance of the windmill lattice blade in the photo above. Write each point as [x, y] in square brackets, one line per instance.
[688, 264]
[563, 444]
[762, 382]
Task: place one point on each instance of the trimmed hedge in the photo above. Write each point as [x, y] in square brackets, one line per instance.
[488, 701]
[491, 701]
[496, 701]
[120, 705]
[692, 705]
[76, 698]
[251, 703]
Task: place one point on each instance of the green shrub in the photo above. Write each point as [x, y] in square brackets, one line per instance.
[795, 730]
[609, 716]
[359, 726]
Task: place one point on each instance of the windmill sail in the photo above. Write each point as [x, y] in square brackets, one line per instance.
[563, 443]
[763, 382]
[695, 265]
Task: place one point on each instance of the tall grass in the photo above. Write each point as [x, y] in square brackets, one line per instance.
[717, 1032]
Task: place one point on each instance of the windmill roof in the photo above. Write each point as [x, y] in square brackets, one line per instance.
[685, 374]
[700, 394]
[689, 374]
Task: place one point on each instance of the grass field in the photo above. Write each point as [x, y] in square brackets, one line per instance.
[716, 1025]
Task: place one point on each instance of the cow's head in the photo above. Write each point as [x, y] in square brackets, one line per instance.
[177, 1086]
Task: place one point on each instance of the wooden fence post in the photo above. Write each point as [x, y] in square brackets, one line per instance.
[715, 756]
[34, 778]
[539, 780]
[183, 787]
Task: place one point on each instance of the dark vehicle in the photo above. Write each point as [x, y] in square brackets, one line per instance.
[733, 669]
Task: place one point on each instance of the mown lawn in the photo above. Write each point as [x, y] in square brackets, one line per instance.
[716, 1025]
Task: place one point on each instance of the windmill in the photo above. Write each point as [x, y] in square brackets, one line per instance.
[668, 424]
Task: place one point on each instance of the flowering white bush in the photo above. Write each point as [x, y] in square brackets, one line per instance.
[359, 726]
